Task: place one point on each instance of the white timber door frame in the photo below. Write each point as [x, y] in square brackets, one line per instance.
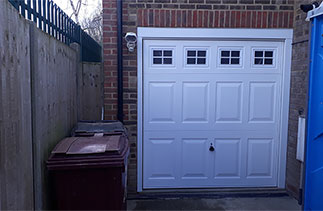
[281, 35]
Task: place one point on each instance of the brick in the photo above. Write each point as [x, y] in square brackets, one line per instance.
[275, 20]
[269, 7]
[213, 1]
[280, 20]
[184, 18]
[162, 1]
[238, 19]
[291, 20]
[285, 21]
[154, 6]
[171, 6]
[205, 18]
[222, 18]
[259, 19]
[157, 18]
[179, 1]
[237, 7]
[195, 1]
[229, 1]
[253, 7]
[200, 19]
[262, 1]
[233, 19]
[173, 13]
[162, 18]
[227, 19]
[204, 6]
[243, 19]
[254, 19]
[145, 18]
[189, 18]
[216, 19]
[282, 7]
[167, 15]
[150, 17]
[187, 6]
[264, 20]
[179, 18]
[211, 22]
[247, 2]
[220, 7]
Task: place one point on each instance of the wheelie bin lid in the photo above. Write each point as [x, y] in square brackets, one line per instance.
[89, 152]
[85, 128]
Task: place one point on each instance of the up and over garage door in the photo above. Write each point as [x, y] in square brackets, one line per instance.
[211, 113]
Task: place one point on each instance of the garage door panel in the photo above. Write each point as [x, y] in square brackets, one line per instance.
[161, 106]
[260, 148]
[195, 102]
[162, 153]
[228, 152]
[262, 102]
[229, 102]
[194, 164]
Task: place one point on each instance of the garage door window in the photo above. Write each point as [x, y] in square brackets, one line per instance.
[196, 57]
[230, 57]
[162, 57]
[264, 57]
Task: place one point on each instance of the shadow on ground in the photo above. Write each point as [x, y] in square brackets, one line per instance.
[254, 203]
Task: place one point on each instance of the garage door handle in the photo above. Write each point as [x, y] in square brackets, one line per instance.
[211, 148]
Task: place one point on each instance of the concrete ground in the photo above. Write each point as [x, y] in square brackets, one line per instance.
[228, 203]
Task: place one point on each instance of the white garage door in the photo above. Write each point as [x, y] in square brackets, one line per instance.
[211, 113]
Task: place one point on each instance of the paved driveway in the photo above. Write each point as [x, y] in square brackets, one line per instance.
[242, 203]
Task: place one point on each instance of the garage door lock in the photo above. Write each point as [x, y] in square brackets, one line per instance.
[211, 148]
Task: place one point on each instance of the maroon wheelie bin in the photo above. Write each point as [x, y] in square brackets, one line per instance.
[90, 172]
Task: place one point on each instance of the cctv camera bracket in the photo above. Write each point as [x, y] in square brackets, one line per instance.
[315, 12]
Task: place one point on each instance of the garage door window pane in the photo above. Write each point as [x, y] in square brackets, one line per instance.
[225, 61]
[268, 61]
[201, 60]
[191, 60]
[268, 54]
[201, 54]
[191, 53]
[234, 61]
[168, 53]
[167, 61]
[225, 53]
[259, 53]
[157, 53]
[157, 60]
[235, 53]
[258, 61]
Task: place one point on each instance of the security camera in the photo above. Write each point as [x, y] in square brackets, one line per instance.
[131, 39]
[309, 7]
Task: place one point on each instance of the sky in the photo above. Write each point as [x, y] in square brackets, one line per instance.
[86, 10]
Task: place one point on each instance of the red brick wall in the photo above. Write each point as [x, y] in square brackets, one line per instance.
[214, 18]
[174, 13]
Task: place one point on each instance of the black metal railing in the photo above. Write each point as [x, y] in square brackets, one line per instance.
[51, 19]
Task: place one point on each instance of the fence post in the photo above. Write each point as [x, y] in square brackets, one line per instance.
[79, 81]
